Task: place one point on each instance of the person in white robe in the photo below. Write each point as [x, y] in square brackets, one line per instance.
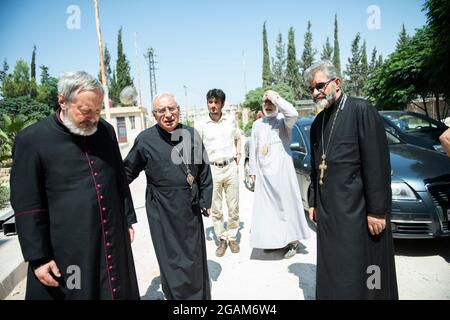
[278, 219]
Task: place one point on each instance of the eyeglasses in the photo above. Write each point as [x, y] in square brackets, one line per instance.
[163, 110]
[320, 86]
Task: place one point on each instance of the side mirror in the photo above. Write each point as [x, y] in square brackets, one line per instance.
[297, 147]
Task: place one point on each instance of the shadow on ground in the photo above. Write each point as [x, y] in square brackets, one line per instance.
[154, 291]
[306, 273]
[423, 247]
[210, 235]
[274, 254]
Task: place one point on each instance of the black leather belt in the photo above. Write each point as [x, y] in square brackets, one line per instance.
[222, 164]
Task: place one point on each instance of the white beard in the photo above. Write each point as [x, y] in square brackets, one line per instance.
[272, 114]
[72, 127]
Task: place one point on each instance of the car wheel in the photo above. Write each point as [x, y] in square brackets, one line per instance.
[247, 180]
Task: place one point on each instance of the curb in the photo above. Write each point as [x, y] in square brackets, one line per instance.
[12, 280]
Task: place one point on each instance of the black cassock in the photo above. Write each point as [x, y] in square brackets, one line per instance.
[173, 208]
[72, 204]
[351, 263]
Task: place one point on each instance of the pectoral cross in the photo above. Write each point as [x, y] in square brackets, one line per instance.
[322, 167]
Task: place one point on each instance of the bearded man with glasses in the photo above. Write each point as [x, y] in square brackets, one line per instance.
[350, 193]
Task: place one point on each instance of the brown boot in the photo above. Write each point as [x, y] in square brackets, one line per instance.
[234, 246]
[220, 251]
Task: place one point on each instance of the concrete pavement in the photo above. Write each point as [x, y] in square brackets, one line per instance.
[422, 265]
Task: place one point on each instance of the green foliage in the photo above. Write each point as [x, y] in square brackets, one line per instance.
[267, 78]
[121, 77]
[353, 69]
[404, 75]
[307, 59]
[17, 84]
[4, 70]
[25, 106]
[364, 68]
[438, 13]
[337, 51]
[327, 52]
[308, 51]
[248, 128]
[403, 37]
[4, 196]
[9, 128]
[279, 65]
[108, 72]
[253, 99]
[33, 64]
[48, 93]
[292, 69]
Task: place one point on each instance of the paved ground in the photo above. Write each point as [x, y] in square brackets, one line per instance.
[422, 266]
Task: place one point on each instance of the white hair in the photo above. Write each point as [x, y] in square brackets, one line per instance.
[71, 83]
[325, 66]
[162, 95]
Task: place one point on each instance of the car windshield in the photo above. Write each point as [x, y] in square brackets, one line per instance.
[411, 123]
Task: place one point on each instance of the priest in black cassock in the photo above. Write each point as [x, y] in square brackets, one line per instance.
[350, 193]
[179, 191]
[72, 202]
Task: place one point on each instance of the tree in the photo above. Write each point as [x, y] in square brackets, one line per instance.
[33, 83]
[253, 99]
[4, 71]
[327, 51]
[44, 74]
[364, 67]
[404, 75]
[25, 106]
[107, 60]
[266, 73]
[10, 127]
[33, 63]
[353, 69]
[403, 37]
[437, 12]
[122, 74]
[337, 51]
[48, 93]
[279, 65]
[17, 84]
[308, 51]
[292, 68]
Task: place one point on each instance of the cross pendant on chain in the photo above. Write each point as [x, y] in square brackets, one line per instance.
[322, 167]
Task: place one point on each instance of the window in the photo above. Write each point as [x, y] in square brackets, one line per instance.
[132, 122]
[121, 130]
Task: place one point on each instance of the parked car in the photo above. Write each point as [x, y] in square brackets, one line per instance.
[420, 184]
[415, 128]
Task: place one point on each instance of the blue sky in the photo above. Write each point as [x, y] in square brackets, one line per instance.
[200, 44]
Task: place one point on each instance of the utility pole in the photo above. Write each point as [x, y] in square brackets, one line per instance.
[186, 101]
[102, 63]
[138, 68]
[243, 69]
[150, 55]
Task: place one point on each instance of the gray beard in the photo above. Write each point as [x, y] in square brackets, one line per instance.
[327, 101]
[72, 127]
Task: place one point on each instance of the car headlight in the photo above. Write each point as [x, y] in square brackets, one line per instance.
[438, 148]
[401, 191]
